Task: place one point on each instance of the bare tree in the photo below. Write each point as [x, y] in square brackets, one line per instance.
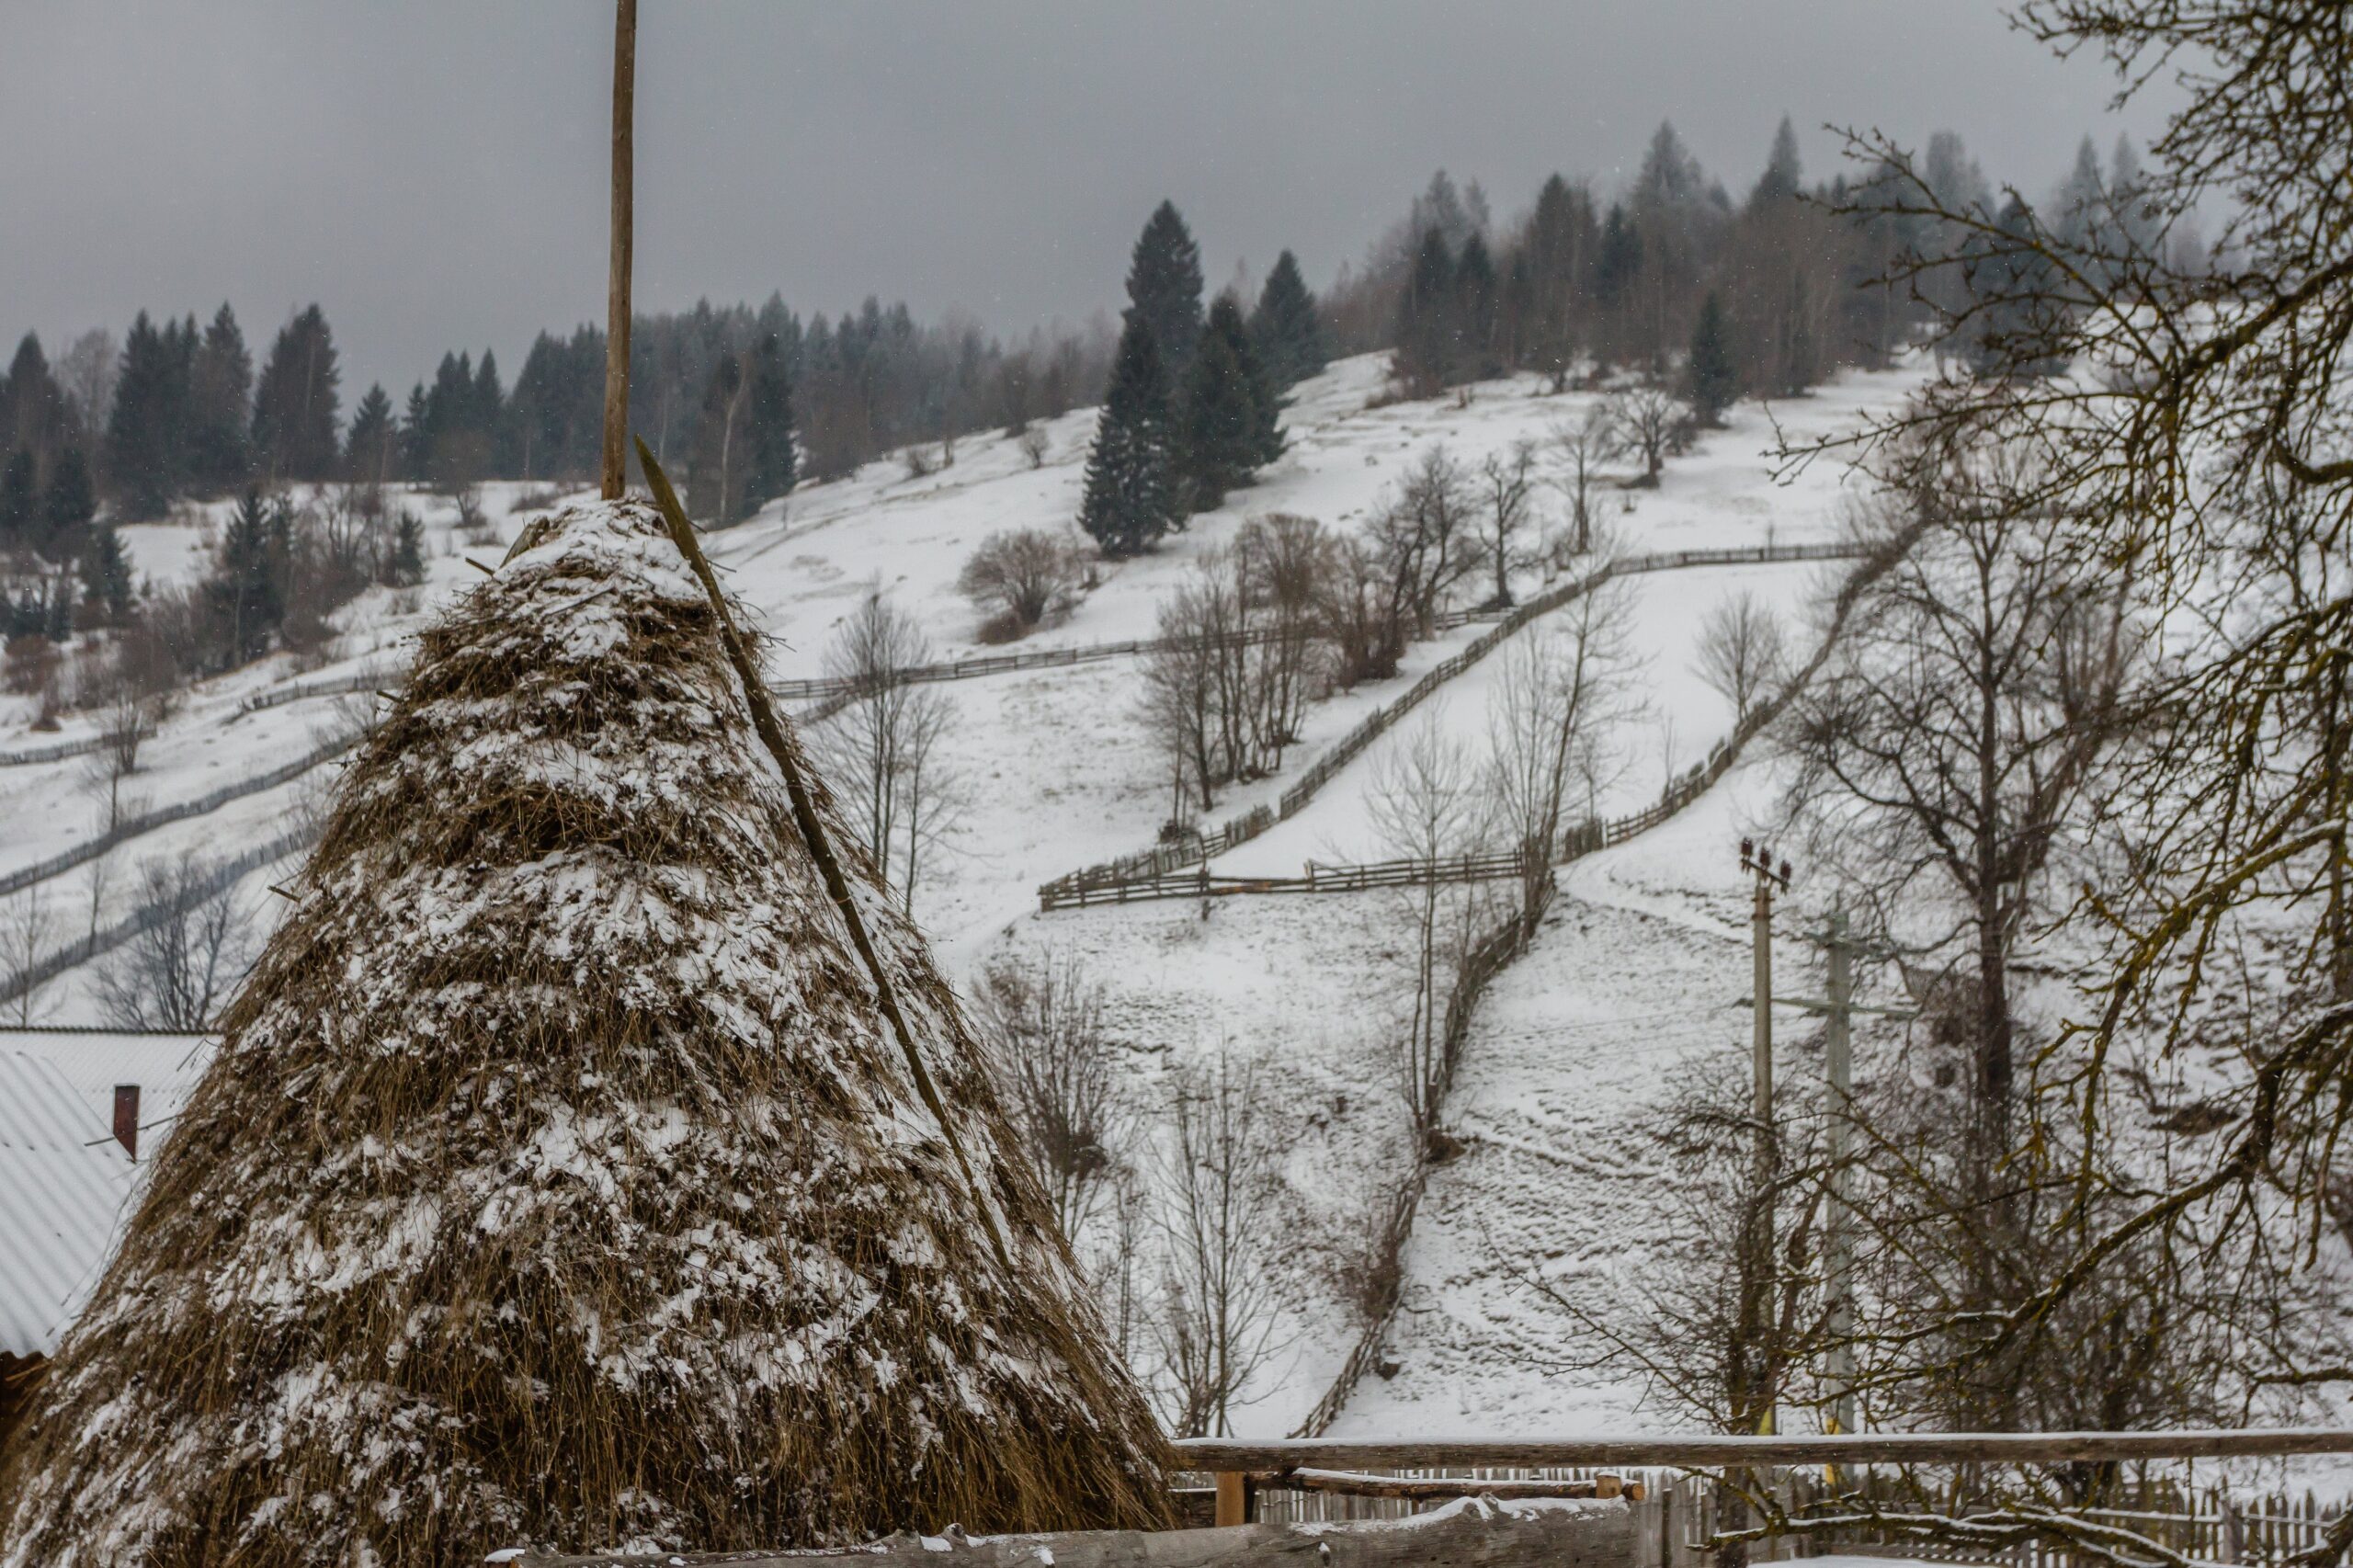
[1035, 444]
[1044, 1023]
[1020, 578]
[1650, 422]
[123, 728]
[86, 372]
[883, 751]
[1217, 1321]
[1741, 652]
[1581, 449]
[1508, 489]
[1557, 702]
[1426, 804]
[1425, 539]
[26, 938]
[1180, 703]
[178, 968]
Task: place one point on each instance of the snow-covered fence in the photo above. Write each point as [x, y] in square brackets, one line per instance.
[147, 821]
[333, 686]
[56, 751]
[1156, 862]
[1408, 873]
[221, 874]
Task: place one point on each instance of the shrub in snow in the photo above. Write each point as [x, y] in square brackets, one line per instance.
[595, 1157]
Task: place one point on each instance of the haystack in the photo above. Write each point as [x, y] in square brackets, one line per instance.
[572, 1174]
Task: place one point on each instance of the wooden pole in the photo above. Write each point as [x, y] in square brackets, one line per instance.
[1699, 1452]
[616, 305]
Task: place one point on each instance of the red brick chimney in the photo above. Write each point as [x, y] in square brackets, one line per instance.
[126, 1118]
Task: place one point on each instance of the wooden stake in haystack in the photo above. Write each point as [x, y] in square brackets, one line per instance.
[595, 1158]
[615, 472]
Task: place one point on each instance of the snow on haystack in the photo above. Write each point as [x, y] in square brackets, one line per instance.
[559, 1179]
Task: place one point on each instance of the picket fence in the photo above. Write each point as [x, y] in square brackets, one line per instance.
[1152, 865]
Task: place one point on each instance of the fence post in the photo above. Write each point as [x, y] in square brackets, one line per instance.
[1237, 1497]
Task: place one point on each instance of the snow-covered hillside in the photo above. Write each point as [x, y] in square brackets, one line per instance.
[1630, 973]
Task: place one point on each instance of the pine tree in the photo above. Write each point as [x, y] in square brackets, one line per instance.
[33, 415]
[1711, 375]
[146, 435]
[1226, 426]
[1670, 177]
[1285, 329]
[1131, 498]
[775, 459]
[1165, 289]
[295, 406]
[68, 505]
[406, 566]
[1561, 240]
[220, 378]
[1782, 173]
[488, 407]
[244, 590]
[1426, 336]
[417, 435]
[1474, 311]
[108, 590]
[20, 502]
[371, 447]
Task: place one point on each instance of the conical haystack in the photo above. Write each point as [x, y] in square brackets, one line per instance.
[563, 1180]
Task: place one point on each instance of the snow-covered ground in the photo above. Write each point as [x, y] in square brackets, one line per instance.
[1057, 772]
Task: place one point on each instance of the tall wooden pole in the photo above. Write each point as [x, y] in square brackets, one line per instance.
[617, 308]
[1838, 1058]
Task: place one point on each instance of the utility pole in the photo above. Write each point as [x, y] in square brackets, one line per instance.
[1756, 1359]
[1837, 1247]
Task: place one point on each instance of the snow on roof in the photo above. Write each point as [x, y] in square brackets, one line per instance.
[165, 1066]
[63, 1180]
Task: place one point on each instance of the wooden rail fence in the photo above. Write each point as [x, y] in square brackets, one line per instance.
[1148, 865]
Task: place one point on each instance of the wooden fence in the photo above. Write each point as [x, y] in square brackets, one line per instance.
[131, 828]
[1200, 883]
[1149, 865]
[1674, 1493]
[220, 875]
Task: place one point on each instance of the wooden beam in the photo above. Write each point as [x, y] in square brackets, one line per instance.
[1468, 1533]
[617, 303]
[1352, 1483]
[1701, 1452]
[1232, 1498]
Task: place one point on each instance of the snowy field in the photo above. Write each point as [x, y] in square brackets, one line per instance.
[1056, 771]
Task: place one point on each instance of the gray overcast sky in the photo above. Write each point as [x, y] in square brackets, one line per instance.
[432, 171]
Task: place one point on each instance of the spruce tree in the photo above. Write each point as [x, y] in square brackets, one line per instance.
[295, 406]
[489, 415]
[107, 589]
[146, 450]
[371, 447]
[1131, 496]
[1285, 329]
[1426, 318]
[20, 502]
[1475, 310]
[417, 435]
[33, 415]
[68, 503]
[220, 378]
[775, 459]
[1165, 289]
[1780, 180]
[243, 589]
[405, 567]
[1711, 375]
[1220, 437]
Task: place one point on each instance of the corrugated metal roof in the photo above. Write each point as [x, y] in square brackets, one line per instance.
[165, 1066]
[65, 1185]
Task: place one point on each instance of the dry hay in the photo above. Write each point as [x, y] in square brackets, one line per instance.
[557, 1181]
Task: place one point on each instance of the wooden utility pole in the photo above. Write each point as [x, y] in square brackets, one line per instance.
[1837, 1243]
[616, 305]
[1756, 1358]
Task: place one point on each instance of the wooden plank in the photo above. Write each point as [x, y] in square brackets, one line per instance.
[1703, 1453]
[1353, 1484]
[1469, 1533]
[1232, 1498]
